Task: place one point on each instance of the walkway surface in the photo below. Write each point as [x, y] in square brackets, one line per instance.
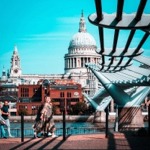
[115, 141]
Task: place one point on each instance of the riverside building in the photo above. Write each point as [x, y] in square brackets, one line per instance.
[64, 94]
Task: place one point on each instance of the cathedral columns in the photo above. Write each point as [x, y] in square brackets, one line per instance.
[79, 62]
[71, 62]
[68, 62]
[75, 62]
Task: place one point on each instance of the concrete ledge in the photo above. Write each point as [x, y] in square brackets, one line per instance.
[56, 118]
[68, 117]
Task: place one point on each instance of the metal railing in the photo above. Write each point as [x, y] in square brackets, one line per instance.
[28, 132]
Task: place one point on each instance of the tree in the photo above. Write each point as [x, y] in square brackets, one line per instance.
[79, 108]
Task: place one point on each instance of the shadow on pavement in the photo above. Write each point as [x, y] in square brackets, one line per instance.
[60, 143]
[20, 145]
[111, 142]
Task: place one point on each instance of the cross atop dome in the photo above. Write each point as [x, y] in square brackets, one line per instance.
[82, 26]
[82, 15]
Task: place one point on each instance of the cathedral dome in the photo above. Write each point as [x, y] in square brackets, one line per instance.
[82, 39]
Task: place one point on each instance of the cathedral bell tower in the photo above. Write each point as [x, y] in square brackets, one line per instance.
[15, 70]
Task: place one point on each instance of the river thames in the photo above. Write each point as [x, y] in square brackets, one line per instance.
[71, 128]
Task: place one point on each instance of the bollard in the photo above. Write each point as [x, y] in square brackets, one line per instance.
[116, 120]
[106, 131]
[64, 125]
[149, 119]
[22, 127]
[63, 109]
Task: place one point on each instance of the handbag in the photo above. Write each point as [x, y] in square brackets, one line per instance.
[39, 125]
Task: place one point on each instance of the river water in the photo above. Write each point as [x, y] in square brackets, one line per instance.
[71, 128]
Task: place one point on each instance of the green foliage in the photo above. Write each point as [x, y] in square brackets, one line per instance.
[56, 110]
[79, 108]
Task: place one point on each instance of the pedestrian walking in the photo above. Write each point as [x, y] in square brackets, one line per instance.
[44, 123]
[47, 117]
[39, 124]
[5, 115]
[2, 124]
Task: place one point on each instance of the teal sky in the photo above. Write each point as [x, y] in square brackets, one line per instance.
[42, 30]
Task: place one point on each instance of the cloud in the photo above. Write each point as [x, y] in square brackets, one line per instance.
[58, 34]
[46, 36]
